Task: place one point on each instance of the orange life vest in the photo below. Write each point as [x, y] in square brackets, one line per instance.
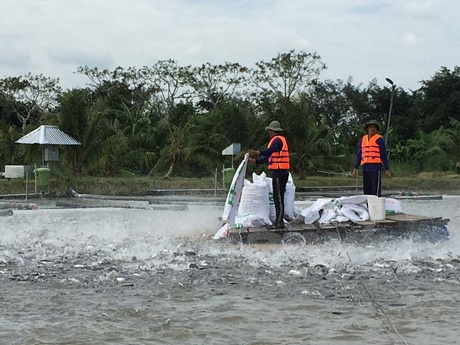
[279, 160]
[370, 150]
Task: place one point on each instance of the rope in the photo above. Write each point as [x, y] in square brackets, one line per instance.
[374, 302]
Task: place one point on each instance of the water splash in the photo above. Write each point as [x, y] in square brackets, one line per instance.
[178, 240]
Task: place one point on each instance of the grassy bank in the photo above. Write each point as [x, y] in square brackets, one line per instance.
[421, 183]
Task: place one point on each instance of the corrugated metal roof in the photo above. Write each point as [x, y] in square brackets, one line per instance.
[47, 135]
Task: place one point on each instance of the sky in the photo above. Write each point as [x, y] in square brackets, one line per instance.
[405, 40]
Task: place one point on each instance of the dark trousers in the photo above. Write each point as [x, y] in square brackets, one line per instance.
[279, 181]
[372, 183]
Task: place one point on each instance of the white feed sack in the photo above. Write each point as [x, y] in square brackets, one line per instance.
[312, 214]
[248, 220]
[354, 212]
[289, 198]
[234, 193]
[254, 200]
[271, 202]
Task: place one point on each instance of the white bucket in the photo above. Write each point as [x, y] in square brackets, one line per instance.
[376, 207]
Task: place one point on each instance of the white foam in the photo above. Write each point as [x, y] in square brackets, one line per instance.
[158, 236]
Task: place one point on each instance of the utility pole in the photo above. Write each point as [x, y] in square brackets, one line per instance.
[393, 86]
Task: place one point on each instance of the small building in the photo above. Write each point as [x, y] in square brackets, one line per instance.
[51, 137]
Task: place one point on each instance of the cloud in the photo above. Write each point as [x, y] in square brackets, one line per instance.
[364, 39]
[420, 9]
[410, 39]
[367, 8]
[79, 58]
[14, 59]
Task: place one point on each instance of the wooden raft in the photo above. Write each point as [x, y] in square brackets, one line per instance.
[396, 226]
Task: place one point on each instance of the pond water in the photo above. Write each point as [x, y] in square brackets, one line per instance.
[144, 276]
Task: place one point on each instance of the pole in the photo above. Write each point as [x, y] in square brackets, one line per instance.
[215, 182]
[27, 186]
[391, 107]
[389, 113]
[35, 178]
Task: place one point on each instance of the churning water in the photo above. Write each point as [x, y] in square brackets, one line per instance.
[144, 276]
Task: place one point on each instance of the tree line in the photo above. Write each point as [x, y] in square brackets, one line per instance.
[172, 120]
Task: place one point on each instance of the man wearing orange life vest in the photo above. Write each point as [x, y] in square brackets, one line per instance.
[372, 155]
[277, 157]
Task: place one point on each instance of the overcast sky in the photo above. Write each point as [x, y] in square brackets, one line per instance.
[405, 40]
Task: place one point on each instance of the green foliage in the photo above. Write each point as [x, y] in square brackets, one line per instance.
[404, 168]
[87, 121]
[439, 99]
[453, 143]
[287, 74]
[171, 120]
[30, 97]
[9, 153]
[429, 150]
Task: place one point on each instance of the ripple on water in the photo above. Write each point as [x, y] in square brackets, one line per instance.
[133, 276]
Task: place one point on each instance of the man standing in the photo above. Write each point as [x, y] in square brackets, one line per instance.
[372, 155]
[277, 156]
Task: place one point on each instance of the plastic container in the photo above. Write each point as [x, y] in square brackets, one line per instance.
[43, 179]
[376, 207]
[228, 176]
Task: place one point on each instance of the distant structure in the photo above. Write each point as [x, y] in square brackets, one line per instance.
[51, 137]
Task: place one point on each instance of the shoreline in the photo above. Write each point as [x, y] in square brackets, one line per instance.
[170, 199]
[141, 187]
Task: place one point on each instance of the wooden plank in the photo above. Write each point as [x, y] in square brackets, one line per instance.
[398, 225]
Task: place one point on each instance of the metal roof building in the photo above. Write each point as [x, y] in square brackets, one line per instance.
[47, 135]
[50, 137]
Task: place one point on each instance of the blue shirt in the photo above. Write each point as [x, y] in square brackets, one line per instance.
[276, 146]
[367, 167]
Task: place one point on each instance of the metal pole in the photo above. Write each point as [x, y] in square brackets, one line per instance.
[215, 182]
[391, 107]
[35, 177]
[27, 186]
[389, 113]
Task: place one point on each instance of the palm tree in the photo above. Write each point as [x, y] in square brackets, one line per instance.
[8, 135]
[430, 150]
[207, 138]
[172, 151]
[308, 139]
[86, 120]
[453, 146]
[309, 149]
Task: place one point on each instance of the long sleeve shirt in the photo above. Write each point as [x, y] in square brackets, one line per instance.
[276, 146]
[373, 166]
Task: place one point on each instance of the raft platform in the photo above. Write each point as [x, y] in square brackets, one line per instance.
[393, 227]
